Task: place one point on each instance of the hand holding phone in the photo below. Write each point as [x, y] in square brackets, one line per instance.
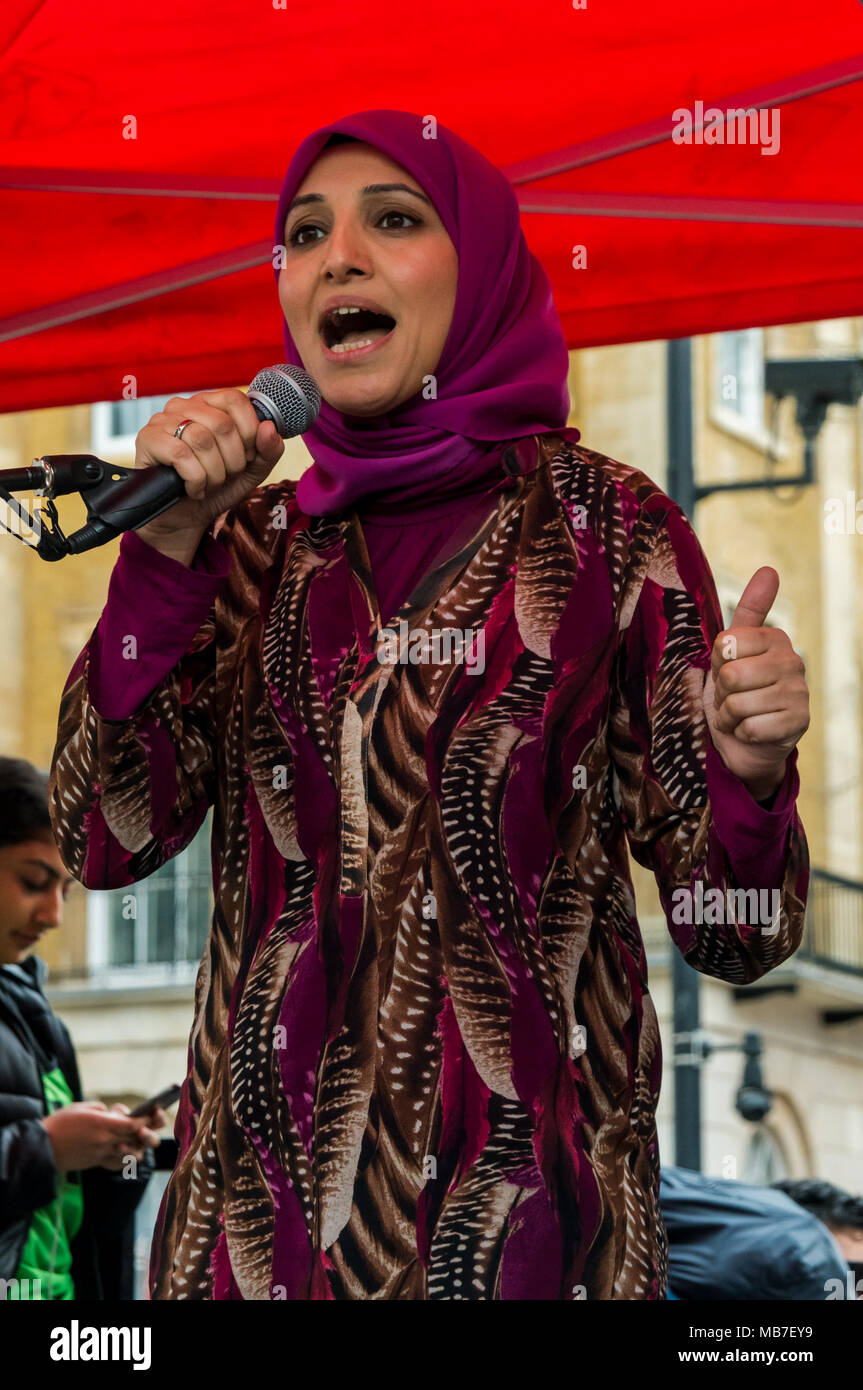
[158, 1102]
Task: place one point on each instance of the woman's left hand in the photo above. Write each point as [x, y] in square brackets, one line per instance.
[755, 697]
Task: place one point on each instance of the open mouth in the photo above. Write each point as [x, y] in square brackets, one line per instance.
[350, 327]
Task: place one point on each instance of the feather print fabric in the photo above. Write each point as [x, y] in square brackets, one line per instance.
[424, 1062]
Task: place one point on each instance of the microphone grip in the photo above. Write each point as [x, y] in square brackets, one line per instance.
[144, 495]
[94, 533]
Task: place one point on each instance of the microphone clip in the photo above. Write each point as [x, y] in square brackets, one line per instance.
[109, 495]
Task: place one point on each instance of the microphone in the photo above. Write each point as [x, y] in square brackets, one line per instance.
[122, 499]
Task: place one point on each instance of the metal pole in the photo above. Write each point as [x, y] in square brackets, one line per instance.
[685, 981]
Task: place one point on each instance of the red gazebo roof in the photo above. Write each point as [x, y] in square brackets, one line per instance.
[151, 256]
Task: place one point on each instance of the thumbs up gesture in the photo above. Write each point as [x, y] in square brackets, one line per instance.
[756, 700]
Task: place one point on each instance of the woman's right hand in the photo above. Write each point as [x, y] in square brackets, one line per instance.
[223, 455]
[85, 1134]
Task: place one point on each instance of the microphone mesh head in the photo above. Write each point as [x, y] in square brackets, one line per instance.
[288, 396]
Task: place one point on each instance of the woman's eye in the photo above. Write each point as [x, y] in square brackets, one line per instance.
[405, 216]
[43, 887]
[297, 237]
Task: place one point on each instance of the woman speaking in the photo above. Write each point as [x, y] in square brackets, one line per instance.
[432, 692]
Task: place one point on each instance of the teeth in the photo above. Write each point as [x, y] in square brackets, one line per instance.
[351, 347]
[346, 333]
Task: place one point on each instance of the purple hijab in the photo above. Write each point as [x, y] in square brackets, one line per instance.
[503, 369]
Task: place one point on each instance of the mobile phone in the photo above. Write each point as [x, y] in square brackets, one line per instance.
[163, 1100]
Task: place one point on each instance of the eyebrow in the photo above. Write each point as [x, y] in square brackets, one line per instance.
[49, 870]
[369, 189]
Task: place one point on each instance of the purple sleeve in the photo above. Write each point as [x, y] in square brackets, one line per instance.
[155, 606]
[754, 838]
[133, 777]
[732, 874]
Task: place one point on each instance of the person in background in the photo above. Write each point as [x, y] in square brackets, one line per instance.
[734, 1241]
[839, 1211]
[67, 1188]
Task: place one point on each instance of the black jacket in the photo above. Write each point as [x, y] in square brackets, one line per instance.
[33, 1040]
[731, 1240]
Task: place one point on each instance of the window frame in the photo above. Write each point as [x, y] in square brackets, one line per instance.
[103, 441]
[751, 429]
[100, 920]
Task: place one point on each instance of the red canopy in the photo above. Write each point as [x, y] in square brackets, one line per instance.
[151, 257]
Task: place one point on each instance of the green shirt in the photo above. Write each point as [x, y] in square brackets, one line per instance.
[45, 1269]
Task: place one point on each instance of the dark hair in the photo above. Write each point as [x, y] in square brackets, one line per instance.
[23, 802]
[829, 1204]
[339, 139]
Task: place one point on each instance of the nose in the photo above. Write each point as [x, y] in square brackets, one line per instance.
[50, 911]
[346, 252]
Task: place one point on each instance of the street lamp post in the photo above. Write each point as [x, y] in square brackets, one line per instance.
[685, 983]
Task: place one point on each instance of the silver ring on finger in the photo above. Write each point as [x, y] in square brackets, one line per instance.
[178, 432]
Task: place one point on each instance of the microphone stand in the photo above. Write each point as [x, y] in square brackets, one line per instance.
[117, 499]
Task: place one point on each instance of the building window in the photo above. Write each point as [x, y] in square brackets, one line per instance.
[156, 928]
[114, 424]
[739, 385]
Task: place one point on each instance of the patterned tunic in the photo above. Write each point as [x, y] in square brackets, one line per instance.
[424, 1062]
